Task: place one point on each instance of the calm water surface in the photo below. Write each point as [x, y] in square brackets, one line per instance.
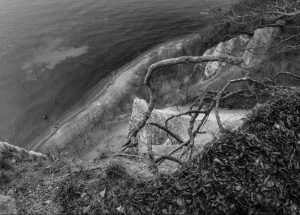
[53, 52]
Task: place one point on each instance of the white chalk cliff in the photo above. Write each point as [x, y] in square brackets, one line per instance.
[18, 153]
[161, 143]
[79, 132]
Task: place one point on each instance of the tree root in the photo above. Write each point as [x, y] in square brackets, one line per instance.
[211, 99]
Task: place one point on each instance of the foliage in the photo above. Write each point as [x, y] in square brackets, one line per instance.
[254, 170]
[93, 193]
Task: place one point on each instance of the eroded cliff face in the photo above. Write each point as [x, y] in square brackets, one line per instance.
[254, 51]
[162, 143]
[257, 49]
[235, 47]
[174, 85]
[84, 129]
[153, 134]
[88, 126]
[18, 153]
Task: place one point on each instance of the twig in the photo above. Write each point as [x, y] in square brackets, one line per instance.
[176, 137]
[182, 114]
[167, 157]
[130, 156]
[218, 97]
[231, 94]
[287, 73]
[168, 62]
[148, 82]
[186, 143]
[192, 135]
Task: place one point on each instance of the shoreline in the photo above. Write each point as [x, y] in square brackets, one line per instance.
[76, 132]
[69, 118]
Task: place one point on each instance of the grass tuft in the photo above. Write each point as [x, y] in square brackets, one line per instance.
[116, 171]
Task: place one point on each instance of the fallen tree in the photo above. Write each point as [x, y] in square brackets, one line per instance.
[254, 170]
[204, 104]
[132, 136]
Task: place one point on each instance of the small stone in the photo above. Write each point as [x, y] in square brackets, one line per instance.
[102, 194]
[270, 183]
[238, 188]
[47, 202]
[281, 22]
[180, 202]
[86, 209]
[121, 209]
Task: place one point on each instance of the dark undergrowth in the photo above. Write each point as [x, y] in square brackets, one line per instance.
[255, 170]
[97, 193]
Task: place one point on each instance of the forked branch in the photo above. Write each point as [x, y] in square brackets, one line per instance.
[219, 95]
[173, 61]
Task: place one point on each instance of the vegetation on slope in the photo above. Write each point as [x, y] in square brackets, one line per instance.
[254, 170]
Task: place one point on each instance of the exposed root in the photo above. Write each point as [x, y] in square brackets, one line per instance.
[210, 100]
[219, 95]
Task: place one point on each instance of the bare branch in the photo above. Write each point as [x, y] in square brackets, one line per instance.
[166, 157]
[176, 137]
[186, 143]
[161, 158]
[153, 166]
[130, 156]
[287, 73]
[168, 62]
[191, 59]
[182, 114]
[231, 94]
[263, 13]
[218, 97]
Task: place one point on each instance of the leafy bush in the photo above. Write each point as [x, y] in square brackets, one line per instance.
[254, 170]
[251, 171]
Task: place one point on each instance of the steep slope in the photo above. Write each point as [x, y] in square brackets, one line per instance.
[254, 170]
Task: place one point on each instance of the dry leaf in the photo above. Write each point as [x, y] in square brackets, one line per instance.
[121, 209]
